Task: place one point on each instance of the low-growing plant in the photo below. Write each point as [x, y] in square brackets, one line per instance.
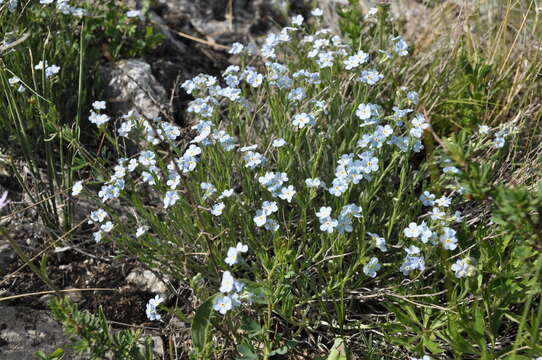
[302, 197]
[92, 336]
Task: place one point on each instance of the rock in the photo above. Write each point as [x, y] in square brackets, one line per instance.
[131, 86]
[74, 296]
[158, 347]
[145, 280]
[7, 256]
[23, 331]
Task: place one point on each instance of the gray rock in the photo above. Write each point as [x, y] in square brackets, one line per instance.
[74, 296]
[7, 256]
[24, 331]
[146, 280]
[131, 86]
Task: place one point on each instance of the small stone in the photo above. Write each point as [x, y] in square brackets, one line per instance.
[7, 257]
[145, 280]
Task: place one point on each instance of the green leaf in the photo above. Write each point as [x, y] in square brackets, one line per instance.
[246, 352]
[252, 328]
[338, 351]
[201, 322]
[283, 350]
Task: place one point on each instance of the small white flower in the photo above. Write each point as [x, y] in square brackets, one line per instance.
[217, 209]
[484, 129]
[107, 227]
[412, 231]
[279, 142]
[317, 12]
[316, 182]
[141, 230]
[297, 20]
[135, 13]
[324, 212]
[77, 188]
[227, 282]
[98, 105]
[226, 194]
[269, 207]
[260, 219]
[380, 242]
[287, 193]
[97, 236]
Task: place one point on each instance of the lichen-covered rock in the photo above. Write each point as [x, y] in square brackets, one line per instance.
[131, 86]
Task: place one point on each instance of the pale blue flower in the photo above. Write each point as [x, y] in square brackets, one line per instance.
[151, 308]
[236, 48]
[97, 216]
[356, 60]
[380, 242]
[269, 207]
[135, 13]
[370, 77]
[444, 201]
[413, 97]
[271, 225]
[328, 224]
[228, 282]
[400, 46]
[448, 239]
[98, 119]
[324, 212]
[287, 193]
[222, 304]
[463, 267]
[427, 198]
[253, 159]
[226, 193]
[370, 269]
[106, 227]
[451, 170]
[303, 119]
[141, 230]
[316, 182]
[338, 187]
[171, 198]
[437, 214]
[217, 209]
[260, 218]
[97, 236]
